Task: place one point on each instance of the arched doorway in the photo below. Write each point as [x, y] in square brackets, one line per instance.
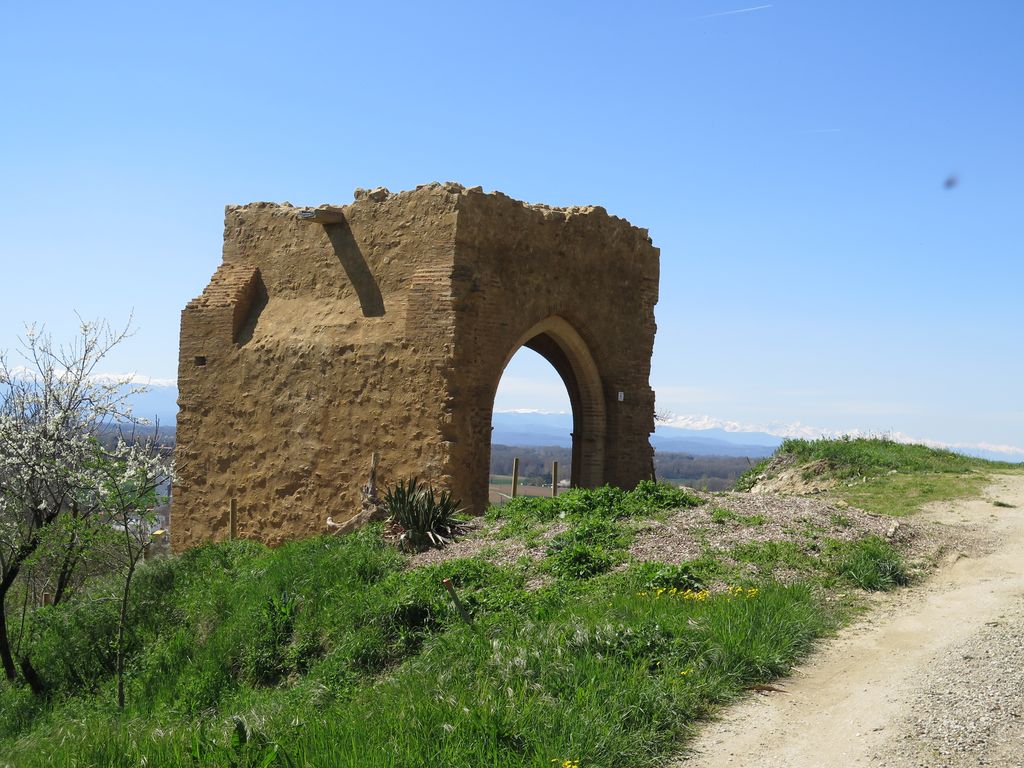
[531, 428]
[557, 341]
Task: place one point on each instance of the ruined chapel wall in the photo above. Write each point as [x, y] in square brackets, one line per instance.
[284, 417]
[386, 330]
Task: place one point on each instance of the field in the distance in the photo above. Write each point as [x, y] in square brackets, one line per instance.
[711, 473]
[500, 489]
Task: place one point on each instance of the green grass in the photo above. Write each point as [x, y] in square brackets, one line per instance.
[601, 675]
[722, 515]
[577, 503]
[769, 556]
[331, 651]
[871, 564]
[900, 495]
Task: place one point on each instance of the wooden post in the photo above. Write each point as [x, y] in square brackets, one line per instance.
[554, 479]
[463, 613]
[233, 520]
[372, 485]
[515, 477]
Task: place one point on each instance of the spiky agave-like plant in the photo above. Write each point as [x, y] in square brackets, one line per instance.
[427, 519]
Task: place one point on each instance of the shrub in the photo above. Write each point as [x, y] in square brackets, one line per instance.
[650, 496]
[426, 518]
[580, 561]
[592, 531]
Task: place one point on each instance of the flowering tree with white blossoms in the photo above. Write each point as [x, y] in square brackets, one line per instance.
[58, 483]
[132, 472]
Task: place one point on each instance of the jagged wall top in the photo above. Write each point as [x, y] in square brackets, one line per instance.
[383, 194]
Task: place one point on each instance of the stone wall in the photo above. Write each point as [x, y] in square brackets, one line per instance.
[387, 329]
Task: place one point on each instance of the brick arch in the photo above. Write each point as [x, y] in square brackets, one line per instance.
[558, 342]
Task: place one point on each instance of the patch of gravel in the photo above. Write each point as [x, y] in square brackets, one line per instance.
[688, 532]
[925, 543]
[969, 709]
[480, 538]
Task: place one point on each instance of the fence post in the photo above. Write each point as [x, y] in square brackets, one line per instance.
[515, 477]
[463, 613]
[233, 520]
[554, 479]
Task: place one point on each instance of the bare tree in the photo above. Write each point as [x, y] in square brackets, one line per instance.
[52, 408]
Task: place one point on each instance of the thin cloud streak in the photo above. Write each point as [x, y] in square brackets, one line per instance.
[733, 13]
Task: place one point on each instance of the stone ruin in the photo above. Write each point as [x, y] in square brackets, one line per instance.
[329, 335]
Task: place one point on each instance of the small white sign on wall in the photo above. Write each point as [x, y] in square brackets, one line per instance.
[622, 396]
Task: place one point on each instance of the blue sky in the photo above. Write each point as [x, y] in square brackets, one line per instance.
[788, 159]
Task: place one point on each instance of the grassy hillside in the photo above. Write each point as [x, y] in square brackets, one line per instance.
[856, 457]
[878, 474]
[334, 652]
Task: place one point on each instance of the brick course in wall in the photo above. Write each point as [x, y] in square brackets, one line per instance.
[386, 330]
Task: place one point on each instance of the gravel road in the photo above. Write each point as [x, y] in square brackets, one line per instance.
[969, 708]
[931, 676]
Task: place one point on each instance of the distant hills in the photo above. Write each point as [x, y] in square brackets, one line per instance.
[157, 404]
[531, 429]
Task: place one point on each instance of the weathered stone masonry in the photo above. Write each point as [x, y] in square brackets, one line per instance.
[385, 325]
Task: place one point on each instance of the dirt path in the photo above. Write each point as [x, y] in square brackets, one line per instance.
[933, 677]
